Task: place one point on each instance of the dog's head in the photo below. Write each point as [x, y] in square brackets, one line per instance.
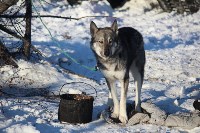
[104, 40]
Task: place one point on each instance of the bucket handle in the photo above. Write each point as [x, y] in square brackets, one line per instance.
[81, 83]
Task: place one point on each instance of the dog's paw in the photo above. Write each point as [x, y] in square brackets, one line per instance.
[115, 115]
[123, 119]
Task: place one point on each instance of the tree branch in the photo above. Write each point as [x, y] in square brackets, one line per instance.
[6, 57]
[5, 4]
[12, 33]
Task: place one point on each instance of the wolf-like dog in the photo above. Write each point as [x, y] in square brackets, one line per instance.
[118, 52]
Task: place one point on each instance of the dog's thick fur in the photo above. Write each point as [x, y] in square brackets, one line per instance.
[118, 52]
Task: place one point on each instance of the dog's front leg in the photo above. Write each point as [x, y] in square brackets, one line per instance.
[124, 88]
[112, 89]
[110, 100]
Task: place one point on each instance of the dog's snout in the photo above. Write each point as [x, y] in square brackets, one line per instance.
[107, 52]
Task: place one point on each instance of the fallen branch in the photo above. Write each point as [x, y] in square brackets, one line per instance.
[52, 16]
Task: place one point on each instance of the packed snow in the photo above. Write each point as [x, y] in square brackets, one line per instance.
[172, 72]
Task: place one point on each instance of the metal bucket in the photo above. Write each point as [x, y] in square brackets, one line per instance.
[75, 108]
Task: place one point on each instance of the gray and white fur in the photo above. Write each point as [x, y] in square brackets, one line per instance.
[118, 52]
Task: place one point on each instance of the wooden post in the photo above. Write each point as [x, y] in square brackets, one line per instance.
[27, 36]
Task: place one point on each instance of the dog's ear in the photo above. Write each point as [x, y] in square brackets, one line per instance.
[93, 28]
[114, 26]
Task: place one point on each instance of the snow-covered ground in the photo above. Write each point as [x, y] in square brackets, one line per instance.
[172, 43]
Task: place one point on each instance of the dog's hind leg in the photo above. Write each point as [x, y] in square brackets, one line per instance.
[112, 89]
[138, 74]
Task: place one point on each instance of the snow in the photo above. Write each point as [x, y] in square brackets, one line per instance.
[22, 129]
[172, 45]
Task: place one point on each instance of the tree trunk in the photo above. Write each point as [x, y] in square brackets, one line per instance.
[27, 36]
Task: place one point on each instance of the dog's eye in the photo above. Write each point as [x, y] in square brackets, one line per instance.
[115, 44]
[100, 41]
